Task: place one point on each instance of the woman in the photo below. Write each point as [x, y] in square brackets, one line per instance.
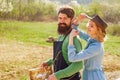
[94, 51]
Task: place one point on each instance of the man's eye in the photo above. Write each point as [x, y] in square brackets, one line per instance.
[91, 26]
[65, 18]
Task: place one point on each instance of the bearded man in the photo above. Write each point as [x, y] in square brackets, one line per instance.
[63, 69]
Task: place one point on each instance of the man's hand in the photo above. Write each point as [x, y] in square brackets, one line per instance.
[52, 77]
[44, 64]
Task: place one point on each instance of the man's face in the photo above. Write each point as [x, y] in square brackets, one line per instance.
[64, 23]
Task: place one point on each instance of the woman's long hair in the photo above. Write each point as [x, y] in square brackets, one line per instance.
[100, 34]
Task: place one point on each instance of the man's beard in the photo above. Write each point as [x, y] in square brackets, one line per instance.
[63, 30]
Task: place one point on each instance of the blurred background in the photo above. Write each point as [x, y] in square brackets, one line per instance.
[39, 10]
[26, 24]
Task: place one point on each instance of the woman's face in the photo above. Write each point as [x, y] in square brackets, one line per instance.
[91, 28]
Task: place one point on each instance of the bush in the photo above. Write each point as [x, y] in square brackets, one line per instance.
[111, 13]
[113, 29]
[30, 11]
[95, 8]
[38, 11]
[78, 10]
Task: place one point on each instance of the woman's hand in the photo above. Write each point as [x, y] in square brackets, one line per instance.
[72, 35]
[52, 77]
[80, 18]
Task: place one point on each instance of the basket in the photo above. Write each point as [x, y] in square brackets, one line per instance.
[41, 73]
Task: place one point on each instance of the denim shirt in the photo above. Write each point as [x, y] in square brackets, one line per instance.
[92, 54]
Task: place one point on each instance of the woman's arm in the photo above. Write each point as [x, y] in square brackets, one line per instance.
[91, 51]
[81, 34]
[73, 34]
[76, 22]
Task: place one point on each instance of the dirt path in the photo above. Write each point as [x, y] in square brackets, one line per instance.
[17, 58]
[111, 64]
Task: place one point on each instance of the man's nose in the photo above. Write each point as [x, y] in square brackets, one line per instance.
[62, 21]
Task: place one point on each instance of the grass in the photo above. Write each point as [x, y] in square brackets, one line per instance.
[112, 45]
[30, 32]
[38, 32]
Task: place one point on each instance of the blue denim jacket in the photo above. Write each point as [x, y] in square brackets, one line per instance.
[92, 56]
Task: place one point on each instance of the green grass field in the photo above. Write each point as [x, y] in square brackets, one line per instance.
[38, 32]
[30, 32]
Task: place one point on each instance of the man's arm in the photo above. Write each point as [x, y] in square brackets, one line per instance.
[73, 67]
[47, 63]
[69, 71]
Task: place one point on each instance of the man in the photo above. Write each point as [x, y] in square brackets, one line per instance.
[63, 69]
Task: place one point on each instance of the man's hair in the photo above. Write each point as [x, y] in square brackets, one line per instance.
[68, 11]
